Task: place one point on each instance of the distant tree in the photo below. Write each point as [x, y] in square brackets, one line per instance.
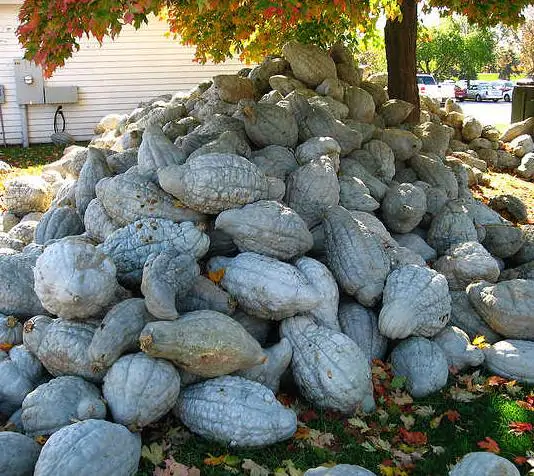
[527, 47]
[507, 63]
[372, 55]
[455, 49]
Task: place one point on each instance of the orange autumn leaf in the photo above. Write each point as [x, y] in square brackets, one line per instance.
[495, 381]
[520, 460]
[417, 438]
[302, 433]
[452, 415]
[527, 403]
[215, 460]
[6, 347]
[518, 428]
[216, 276]
[489, 444]
[308, 415]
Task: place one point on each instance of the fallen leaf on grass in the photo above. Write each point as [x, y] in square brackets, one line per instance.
[489, 444]
[520, 460]
[461, 395]
[480, 342]
[308, 415]
[527, 403]
[288, 469]
[6, 347]
[437, 450]
[425, 411]
[359, 423]
[402, 398]
[408, 421]
[253, 468]
[172, 468]
[495, 381]
[380, 444]
[226, 459]
[417, 438]
[368, 447]
[435, 422]
[153, 453]
[452, 415]
[391, 471]
[519, 428]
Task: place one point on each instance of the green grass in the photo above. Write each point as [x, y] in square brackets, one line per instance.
[495, 76]
[488, 416]
[35, 155]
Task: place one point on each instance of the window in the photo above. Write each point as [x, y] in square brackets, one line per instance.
[427, 80]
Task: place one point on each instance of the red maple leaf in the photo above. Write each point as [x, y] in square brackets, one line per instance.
[495, 381]
[520, 460]
[490, 445]
[518, 428]
[413, 437]
[452, 415]
[528, 403]
[307, 416]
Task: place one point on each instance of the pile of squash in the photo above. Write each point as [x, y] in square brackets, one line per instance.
[281, 226]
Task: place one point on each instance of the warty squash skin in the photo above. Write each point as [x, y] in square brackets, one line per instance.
[139, 390]
[339, 470]
[415, 243]
[466, 263]
[403, 207]
[503, 240]
[314, 121]
[275, 161]
[256, 327]
[416, 302]
[20, 373]
[58, 223]
[130, 196]
[378, 159]
[74, 280]
[317, 147]
[26, 194]
[355, 256]
[88, 448]
[216, 182]
[62, 346]
[309, 63]
[484, 464]
[120, 162]
[206, 295]
[269, 372]
[265, 287]
[453, 225]
[458, 349]
[167, 276]
[312, 188]
[235, 411]
[325, 314]
[10, 331]
[43, 414]
[361, 325]
[118, 333]
[268, 124]
[331, 371]
[98, 224]
[130, 247]
[423, 363]
[17, 296]
[268, 228]
[511, 359]
[94, 169]
[157, 151]
[18, 454]
[228, 142]
[507, 307]
[352, 168]
[432, 170]
[354, 195]
[206, 343]
[464, 316]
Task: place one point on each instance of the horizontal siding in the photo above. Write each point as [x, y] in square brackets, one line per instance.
[114, 78]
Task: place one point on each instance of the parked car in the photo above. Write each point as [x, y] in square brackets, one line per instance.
[481, 91]
[460, 90]
[507, 88]
[447, 89]
[428, 86]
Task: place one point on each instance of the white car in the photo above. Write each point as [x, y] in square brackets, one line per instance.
[428, 86]
[447, 89]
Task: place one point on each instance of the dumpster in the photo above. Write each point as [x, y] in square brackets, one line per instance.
[523, 100]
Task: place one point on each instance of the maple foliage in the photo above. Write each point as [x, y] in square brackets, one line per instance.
[50, 30]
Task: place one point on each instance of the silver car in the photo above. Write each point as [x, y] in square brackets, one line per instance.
[483, 92]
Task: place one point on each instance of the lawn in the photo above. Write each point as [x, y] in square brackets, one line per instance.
[495, 77]
[403, 437]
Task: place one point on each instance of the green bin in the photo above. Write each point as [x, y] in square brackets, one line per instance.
[523, 101]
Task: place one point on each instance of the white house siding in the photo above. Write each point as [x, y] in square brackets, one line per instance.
[113, 78]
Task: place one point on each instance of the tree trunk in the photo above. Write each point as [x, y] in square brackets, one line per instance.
[401, 40]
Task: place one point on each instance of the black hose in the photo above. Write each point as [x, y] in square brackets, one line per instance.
[59, 113]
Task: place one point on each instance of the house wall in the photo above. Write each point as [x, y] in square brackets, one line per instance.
[113, 78]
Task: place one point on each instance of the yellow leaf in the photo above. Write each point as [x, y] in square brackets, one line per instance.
[216, 276]
[215, 460]
[480, 342]
[253, 468]
[435, 422]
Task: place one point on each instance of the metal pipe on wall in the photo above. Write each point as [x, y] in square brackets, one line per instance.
[24, 124]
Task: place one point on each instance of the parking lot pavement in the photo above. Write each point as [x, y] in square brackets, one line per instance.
[488, 112]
